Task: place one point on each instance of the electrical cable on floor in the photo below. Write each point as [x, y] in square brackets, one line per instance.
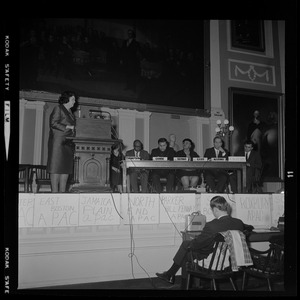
[132, 245]
[115, 205]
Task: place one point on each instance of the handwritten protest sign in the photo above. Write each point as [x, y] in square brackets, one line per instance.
[254, 209]
[26, 205]
[140, 208]
[56, 210]
[174, 207]
[99, 209]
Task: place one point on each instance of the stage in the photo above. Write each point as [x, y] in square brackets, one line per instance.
[76, 238]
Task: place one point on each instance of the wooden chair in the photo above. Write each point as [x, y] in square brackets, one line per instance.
[43, 178]
[163, 182]
[267, 264]
[217, 266]
[26, 177]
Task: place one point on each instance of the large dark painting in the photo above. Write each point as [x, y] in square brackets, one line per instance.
[258, 115]
[146, 61]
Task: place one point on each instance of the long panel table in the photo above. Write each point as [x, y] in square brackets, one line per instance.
[150, 164]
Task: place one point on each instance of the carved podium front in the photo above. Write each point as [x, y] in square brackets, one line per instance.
[92, 152]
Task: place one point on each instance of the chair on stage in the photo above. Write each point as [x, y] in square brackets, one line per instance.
[229, 253]
[42, 178]
[268, 265]
[226, 188]
[26, 177]
[163, 182]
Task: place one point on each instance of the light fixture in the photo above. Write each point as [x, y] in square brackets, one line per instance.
[224, 129]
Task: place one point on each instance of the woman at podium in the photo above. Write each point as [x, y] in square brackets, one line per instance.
[60, 149]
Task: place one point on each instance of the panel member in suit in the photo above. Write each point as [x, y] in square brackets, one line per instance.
[222, 222]
[142, 154]
[60, 149]
[163, 151]
[253, 167]
[211, 175]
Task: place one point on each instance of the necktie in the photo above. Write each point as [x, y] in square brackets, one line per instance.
[217, 154]
[246, 155]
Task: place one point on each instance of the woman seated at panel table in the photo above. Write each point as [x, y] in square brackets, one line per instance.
[188, 177]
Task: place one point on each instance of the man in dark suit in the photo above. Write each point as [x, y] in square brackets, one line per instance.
[140, 154]
[222, 222]
[163, 150]
[253, 167]
[212, 175]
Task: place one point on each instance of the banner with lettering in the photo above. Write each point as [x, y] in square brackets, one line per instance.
[140, 208]
[26, 206]
[254, 209]
[59, 210]
[174, 207]
[99, 209]
[56, 210]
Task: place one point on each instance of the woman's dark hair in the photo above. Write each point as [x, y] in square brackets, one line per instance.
[115, 146]
[65, 97]
[192, 143]
[118, 145]
[221, 203]
[189, 140]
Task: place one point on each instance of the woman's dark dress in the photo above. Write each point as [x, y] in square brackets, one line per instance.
[115, 177]
[60, 149]
[187, 172]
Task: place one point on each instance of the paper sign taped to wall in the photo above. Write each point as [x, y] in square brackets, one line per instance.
[254, 209]
[174, 207]
[56, 210]
[140, 208]
[26, 206]
[99, 209]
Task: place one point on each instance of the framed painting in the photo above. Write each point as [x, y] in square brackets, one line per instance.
[248, 34]
[258, 116]
[153, 62]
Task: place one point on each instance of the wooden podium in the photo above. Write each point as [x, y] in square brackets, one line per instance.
[92, 153]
